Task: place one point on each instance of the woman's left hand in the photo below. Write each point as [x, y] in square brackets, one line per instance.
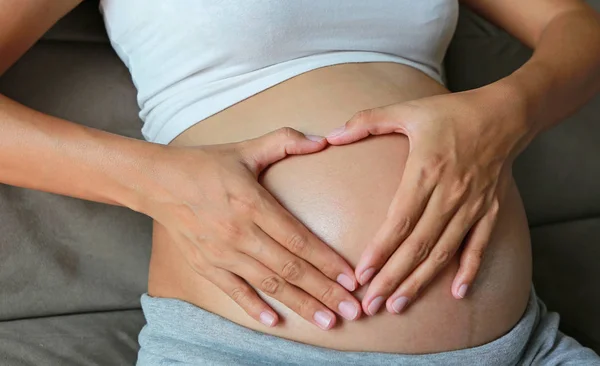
[459, 165]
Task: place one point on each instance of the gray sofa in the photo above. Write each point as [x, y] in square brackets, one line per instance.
[71, 271]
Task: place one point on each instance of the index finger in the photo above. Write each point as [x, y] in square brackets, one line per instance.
[285, 229]
[404, 212]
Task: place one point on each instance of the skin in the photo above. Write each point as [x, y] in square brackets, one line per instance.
[342, 195]
[462, 147]
[163, 183]
[101, 166]
[172, 185]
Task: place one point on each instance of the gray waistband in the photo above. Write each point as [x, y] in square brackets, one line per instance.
[180, 332]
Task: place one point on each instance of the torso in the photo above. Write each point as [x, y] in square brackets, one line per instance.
[342, 195]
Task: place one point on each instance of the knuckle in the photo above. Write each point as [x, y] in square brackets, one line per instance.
[297, 243]
[421, 250]
[495, 207]
[200, 237]
[329, 268]
[240, 295]
[361, 117]
[245, 204]
[255, 247]
[415, 287]
[229, 230]
[440, 256]
[433, 166]
[304, 306]
[293, 271]
[388, 284]
[197, 261]
[271, 285]
[328, 294]
[477, 254]
[286, 132]
[403, 226]
[459, 189]
[214, 253]
[423, 175]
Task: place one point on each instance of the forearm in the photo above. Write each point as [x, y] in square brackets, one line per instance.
[563, 73]
[45, 153]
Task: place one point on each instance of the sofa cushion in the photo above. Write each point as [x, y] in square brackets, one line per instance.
[566, 275]
[101, 338]
[83, 24]
[59, 254]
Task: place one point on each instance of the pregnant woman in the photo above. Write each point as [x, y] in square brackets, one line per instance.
[399, 237]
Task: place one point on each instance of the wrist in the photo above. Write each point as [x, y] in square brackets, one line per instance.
[526, 88]
[511, 105]
[137, 176]
[161, 176]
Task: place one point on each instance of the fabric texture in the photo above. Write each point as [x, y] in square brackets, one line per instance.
[192, 59]
[179, 333]
[86, 339]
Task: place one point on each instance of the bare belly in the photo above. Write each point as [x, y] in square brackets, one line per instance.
[342, 194]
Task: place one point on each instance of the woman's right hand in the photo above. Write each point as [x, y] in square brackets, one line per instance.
[234, 233]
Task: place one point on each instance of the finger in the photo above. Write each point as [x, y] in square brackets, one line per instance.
[263, 151]
[303, 275]
[244, 295]
[286, 230]
[406, 208]
[414, 250]
[376, 121]
[437, 260]
[472, 254]
[276, 287]
[235, 287]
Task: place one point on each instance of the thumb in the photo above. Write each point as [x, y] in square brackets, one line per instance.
[265, 150]
[376, 121]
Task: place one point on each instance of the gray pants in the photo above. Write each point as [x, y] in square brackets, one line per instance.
[178, 333]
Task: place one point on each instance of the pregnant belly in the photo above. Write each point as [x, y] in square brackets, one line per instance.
[342, 195]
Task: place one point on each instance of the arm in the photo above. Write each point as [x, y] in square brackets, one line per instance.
[229, 228]
[50, 154]
[462, 146]
[564, 71]
[38, 15]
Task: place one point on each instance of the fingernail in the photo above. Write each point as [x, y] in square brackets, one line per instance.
[399, 303]
[346, 281]
[462, 290]
[375, 305]
[366, 276]
[267, 318]
[315, 138]
[323, 319]
[338, 131]
[348, 310]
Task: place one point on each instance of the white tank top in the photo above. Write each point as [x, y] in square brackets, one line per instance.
[190, 59]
